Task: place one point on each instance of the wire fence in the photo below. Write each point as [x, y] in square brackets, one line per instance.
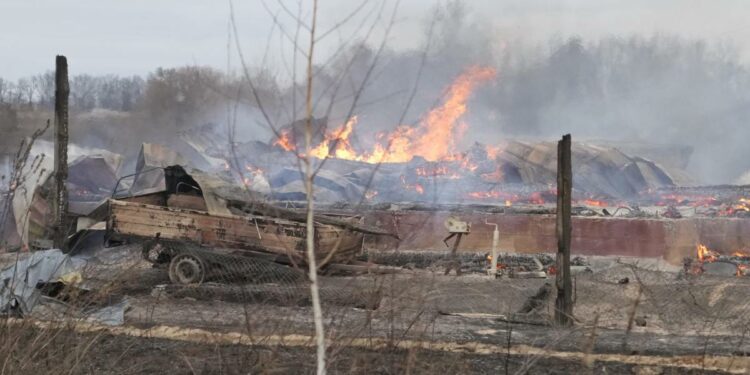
[176, 290]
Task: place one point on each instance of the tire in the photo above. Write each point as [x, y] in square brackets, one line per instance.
[187, 269]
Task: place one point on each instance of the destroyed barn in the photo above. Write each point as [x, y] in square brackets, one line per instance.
[190, 238]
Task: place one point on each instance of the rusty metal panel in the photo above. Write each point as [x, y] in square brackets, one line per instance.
[244, 232]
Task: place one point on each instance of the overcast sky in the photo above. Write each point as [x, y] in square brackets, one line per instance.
[136, 36]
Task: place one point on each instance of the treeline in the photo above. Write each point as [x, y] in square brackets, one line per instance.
[168, 99]
[658, 89]
[87, 92]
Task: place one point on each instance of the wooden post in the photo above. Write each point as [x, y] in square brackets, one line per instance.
[454, 262]
[62, 91]
[564, 301]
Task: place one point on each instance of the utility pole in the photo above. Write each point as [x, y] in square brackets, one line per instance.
[564, 301]
[62, 91]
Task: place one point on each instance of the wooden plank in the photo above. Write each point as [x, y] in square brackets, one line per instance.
[268, 210]
[366, 268]
[193, 202]
[157, 199]
[251, 232]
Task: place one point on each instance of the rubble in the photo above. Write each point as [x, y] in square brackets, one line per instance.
[92, 175]
[711, 262]
[20, 281]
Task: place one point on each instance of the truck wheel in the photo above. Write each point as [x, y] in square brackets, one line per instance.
[186, 269]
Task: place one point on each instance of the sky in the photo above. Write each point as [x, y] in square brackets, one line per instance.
[127, 37]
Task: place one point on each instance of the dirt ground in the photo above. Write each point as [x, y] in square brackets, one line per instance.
[660, 321]
[120, 354]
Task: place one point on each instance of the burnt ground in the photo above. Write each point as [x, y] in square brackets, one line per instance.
[113, 354]
[421, 321]
[117, 354]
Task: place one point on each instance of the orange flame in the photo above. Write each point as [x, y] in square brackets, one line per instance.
[284, 141]
[433, 139]
[706, 255]
[493, 151]
[252, 172]
[742, 204]
[436, 140]
[339, 139]
[485, 194]
[494, 194]
[743, 269]
[253, 169]
[416, 187]
[536, 198]
[593, 202]
[495, 176]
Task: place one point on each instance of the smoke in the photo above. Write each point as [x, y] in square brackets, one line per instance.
[658, 90]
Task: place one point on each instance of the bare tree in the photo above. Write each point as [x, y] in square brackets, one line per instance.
[309, 177]
[5, 88]
[44, 85]
[84, 90]
[26, 92]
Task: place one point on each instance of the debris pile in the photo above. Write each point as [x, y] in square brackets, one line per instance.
[510, 264]
[52, 284]
[711, 262]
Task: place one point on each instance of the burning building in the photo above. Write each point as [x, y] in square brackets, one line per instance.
[427, 167]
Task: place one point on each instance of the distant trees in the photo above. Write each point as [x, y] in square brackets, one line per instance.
[87, 92]
[120, 93]
[663, 89]
[44, 84]
[177, 96]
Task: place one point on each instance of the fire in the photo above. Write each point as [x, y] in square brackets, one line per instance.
[593, 202]
[439, 170]
[439, 124]
[496, 176]
[253, 169]
[492, 151]
[338, 139]
[434, 138]
[706, 255]
[742, 205]
[252, 172]
[536, 198]
[468, 164]
[416, 187]
[743, 269]
[284, 141]
[508, 198]
[692, 200]
[485, 194]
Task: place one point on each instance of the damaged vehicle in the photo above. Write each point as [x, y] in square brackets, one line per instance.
[179, 215]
